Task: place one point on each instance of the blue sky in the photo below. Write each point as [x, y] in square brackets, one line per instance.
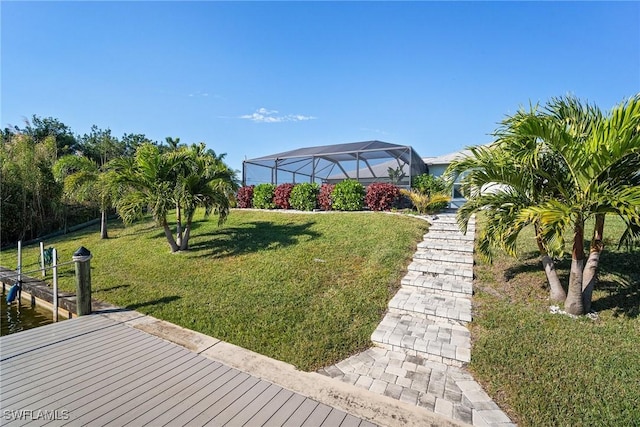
[256, 78]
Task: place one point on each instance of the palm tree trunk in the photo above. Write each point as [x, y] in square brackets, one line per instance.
[169, 236]
[591, 267]
[178, 225]
[556, 291]
[185, 238]
[103, 224]
[573, 304]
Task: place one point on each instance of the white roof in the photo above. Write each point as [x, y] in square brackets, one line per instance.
[446, 158]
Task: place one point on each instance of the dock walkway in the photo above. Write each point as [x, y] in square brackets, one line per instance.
[96, 371]
[121, 367]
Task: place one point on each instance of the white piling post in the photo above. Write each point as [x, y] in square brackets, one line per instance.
[19, 260]
[42, 265]
[19, 272]
[55, 285]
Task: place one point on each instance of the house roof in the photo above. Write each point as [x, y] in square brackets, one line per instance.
[446, 158]
[338, 151]
[365, 159]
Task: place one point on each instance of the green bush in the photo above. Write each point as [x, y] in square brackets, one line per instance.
[429, 184]
[348, 195]
[427, 204]
[303, 196]
[263, 196]
[437, 202]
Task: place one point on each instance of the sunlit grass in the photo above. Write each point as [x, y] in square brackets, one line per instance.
[552, 370]
[308, 289]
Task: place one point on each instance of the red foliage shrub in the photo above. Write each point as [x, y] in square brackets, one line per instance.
[245, 197]
[324, 197]
[381, 196]
[282, 196]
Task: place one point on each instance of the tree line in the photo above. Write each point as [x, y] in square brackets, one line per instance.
[52, 179]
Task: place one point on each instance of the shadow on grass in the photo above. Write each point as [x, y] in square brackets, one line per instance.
[113, 288]
[527, 263]
[157, 302]
[620, 277]
[257, 236]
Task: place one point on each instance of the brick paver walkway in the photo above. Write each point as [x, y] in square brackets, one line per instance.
[423, 345]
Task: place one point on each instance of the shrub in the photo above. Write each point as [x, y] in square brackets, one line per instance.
[427, 204]
[429, 184]
[348, 195]
[263, 196]
[324, 197]
[282, 195]
[438, 202]
[303, 196]
[245, 197]
[381, 196]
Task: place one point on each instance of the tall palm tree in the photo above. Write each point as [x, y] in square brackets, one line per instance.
[182, 179]
[85, 182]
[587, 163]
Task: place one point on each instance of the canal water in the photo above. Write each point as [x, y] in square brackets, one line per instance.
[15, 318]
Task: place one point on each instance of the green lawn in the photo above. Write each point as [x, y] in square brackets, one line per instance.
[308, 289]
[551, 370]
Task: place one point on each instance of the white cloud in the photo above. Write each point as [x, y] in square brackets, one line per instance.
[263, 115]
[380, 131]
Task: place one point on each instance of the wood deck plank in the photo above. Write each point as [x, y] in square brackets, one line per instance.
[298, 417]
[58, 356]
[335, 418]
[270, 396]
[281, 415]
[223, 397]
[350, 421]
[173, 402]
[87, 360]
[115, 379]
[195, 397]
[318, 416]
[46, 335]
[105, 372]
[78, 383]
[90, 407]
[159, 396]
[75, 372]
[239, 404]
[33, 361]
[267, 410]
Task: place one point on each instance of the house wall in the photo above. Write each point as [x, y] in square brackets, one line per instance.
[456, 199]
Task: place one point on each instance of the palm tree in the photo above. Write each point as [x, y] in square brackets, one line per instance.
[602, 157]
[587, 165]
[84, 182]
[182, 179]
[501, 188]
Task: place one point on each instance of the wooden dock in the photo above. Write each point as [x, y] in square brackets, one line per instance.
[96, 371]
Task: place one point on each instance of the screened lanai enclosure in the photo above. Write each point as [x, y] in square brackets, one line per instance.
[366, 162]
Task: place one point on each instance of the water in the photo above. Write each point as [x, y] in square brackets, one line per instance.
[15, 318]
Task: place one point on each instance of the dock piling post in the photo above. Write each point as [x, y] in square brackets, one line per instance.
[42, 264]
[55, 285]
[19, 272]
[82, 258]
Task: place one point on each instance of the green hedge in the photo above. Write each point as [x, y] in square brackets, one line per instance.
[303, 196]
[429, 184]
[348, 195]
[263, 196]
